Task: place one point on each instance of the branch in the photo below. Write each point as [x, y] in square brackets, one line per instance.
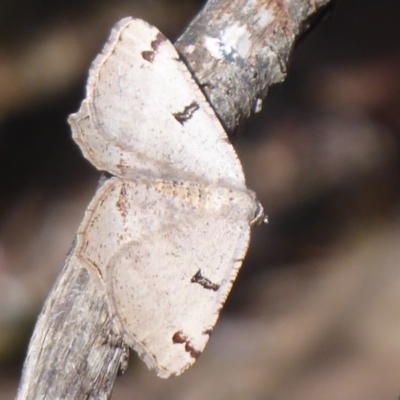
[72, 353]
[236, 49]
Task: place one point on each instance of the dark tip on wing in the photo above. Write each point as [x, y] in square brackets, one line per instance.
[180, 338]
[192, 351]
[160, 38]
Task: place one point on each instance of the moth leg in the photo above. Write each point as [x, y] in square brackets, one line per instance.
[260, 217]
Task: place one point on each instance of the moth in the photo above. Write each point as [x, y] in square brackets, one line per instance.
[166, 234]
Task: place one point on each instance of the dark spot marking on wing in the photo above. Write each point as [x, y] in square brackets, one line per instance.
[187, 112]
[180, 338]
[192, 351]
[122, 202]
[203, 281]
[148, 55]
[157, 41]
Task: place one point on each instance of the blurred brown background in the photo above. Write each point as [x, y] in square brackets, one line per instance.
[315, 312]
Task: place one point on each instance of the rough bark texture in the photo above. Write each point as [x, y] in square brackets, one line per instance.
[74, 353]
[237, 49]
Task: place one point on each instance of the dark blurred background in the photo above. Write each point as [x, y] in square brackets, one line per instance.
[315, 312]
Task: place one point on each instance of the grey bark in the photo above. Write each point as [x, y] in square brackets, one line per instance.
[265, 32]
[74, 352]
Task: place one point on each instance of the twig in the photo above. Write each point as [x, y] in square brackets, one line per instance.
[238, 49]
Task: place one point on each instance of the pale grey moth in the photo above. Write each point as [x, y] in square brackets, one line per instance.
[166, 235]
